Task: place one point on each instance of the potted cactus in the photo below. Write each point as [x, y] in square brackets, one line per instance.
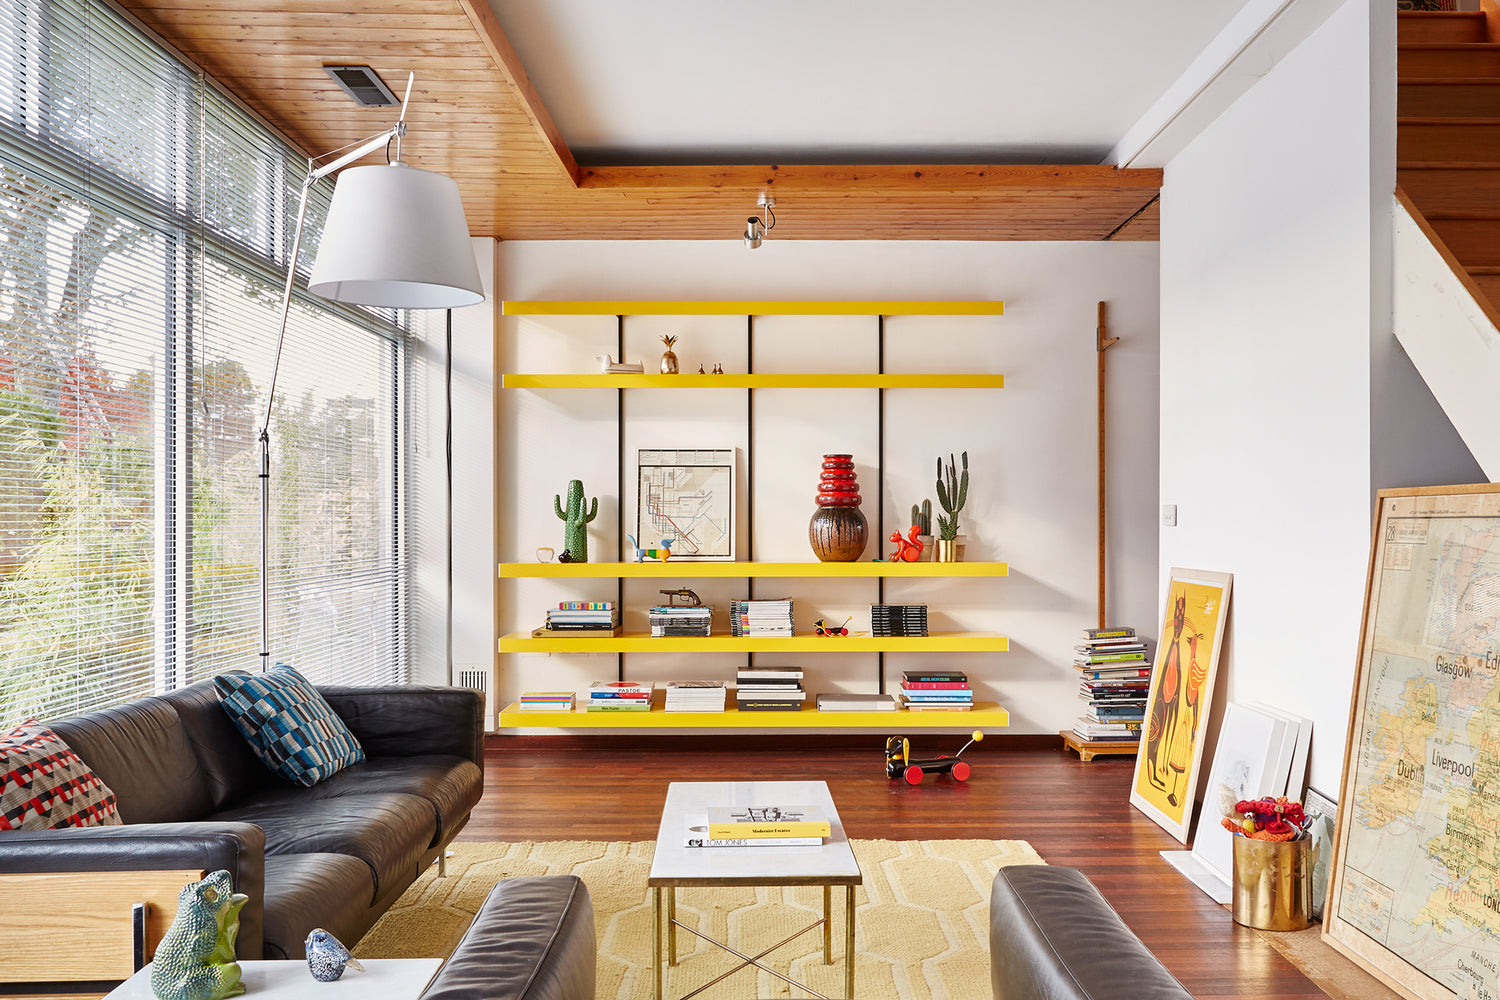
[921, 519]
[953, 493]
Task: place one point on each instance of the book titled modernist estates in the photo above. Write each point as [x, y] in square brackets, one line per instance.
[751, 822]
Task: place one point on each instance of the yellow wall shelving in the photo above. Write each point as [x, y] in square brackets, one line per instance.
[642, 642]
[702, 569]
[984, 715]
[792, 381]
[797, 307]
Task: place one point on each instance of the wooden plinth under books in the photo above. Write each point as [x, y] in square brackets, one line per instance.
[1089, 749]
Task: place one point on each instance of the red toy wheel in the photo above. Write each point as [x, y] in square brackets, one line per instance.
[960, 771]
[913, 775]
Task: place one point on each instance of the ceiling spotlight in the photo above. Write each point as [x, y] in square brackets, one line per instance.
[755, 230]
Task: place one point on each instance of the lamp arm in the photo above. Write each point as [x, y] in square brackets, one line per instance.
[314, 174]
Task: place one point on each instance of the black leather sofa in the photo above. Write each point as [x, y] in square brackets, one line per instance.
[1053, 936]
[192, 795]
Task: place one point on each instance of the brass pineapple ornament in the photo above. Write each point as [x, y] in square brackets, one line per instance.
[669, 360]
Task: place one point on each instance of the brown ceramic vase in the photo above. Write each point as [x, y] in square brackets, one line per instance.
[838, 534]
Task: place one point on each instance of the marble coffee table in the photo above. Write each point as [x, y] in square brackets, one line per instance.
[675, 865]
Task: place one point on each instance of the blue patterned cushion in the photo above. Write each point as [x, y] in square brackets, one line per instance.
[288, 724]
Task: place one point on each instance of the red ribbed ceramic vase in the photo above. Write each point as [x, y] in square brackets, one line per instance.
[838, 530]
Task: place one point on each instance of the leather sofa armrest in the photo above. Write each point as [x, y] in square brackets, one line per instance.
[238, 848]
[533, 938]
[412, 721]
[1053, 936]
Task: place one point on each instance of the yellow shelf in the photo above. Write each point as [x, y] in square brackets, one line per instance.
[791, 381]
[984, 715]
[804, 307]
[684, 569]
[640, 642]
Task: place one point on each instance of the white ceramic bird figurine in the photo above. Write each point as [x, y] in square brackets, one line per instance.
[327, 957]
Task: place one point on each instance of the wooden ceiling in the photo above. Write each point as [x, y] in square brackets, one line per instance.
[475, 116]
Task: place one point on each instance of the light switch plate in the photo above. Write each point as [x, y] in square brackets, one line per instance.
[1169, 515]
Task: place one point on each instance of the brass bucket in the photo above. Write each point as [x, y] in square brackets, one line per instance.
[1273, 883]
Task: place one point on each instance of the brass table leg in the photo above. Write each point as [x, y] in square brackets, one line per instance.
[828, 925]
[671, 925]
[848, 943]
[656, 940]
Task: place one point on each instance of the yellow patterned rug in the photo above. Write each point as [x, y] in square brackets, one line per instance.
[921, 924]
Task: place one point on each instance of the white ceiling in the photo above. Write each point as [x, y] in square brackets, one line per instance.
[853, 81]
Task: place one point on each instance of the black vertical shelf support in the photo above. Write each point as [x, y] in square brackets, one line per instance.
[880, 488]
[749, 553]
[619, 485]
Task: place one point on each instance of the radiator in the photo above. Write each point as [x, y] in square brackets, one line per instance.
[478, 679]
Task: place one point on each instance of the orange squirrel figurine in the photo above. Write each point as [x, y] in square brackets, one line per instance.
[906, 551]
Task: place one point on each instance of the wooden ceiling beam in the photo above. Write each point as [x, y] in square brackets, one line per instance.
[509, 63]
[911, 178]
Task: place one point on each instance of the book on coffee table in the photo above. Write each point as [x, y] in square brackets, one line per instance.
[756, 822]
[697, 836]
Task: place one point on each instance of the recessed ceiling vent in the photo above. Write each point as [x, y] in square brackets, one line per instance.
[362, 85]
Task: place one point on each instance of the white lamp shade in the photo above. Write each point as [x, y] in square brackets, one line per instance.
[396, 236]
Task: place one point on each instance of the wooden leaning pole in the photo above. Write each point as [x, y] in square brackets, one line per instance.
[1089, 749]
[1102, 344]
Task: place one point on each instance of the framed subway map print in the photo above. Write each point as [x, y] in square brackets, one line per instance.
[1182, 683]
[1414, 891]
[685, 501]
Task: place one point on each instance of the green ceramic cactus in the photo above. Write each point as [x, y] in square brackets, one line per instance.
[195, 960]
[953, 493]
[575, 521]
[921, 517]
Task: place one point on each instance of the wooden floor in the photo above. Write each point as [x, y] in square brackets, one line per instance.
[1073, 814]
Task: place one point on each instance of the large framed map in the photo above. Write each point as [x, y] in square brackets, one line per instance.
[1415, 878]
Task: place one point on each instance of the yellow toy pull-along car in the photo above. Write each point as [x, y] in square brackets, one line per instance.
[899, 762]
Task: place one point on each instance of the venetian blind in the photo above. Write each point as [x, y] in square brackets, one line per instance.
[145, 225]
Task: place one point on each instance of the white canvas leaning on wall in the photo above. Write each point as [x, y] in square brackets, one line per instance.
[1254, 758]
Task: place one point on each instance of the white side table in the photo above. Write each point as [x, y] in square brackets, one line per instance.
[383, 979]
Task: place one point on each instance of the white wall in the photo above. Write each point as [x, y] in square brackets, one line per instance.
[471, 643]
[1031, 445]
[1275, 339]
[1265, 373]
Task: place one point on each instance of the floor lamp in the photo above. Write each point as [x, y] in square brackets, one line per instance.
[395, 237]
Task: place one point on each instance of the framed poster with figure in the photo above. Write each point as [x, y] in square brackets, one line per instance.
[1414, 894]
[1182, 681]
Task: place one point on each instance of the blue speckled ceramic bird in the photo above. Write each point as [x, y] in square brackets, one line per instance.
[327, 956]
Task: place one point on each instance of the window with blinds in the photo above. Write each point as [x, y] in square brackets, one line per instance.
[145, 220]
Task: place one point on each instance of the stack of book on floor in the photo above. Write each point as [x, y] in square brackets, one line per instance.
[695, 696]
[581, 619]
[842, 701]
[681, 621]
[936, 691]
[769, 689]
[760, 617]
[619, 696]
[546, 701]
[898, 619]
[760, 826]
[1116, 679]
